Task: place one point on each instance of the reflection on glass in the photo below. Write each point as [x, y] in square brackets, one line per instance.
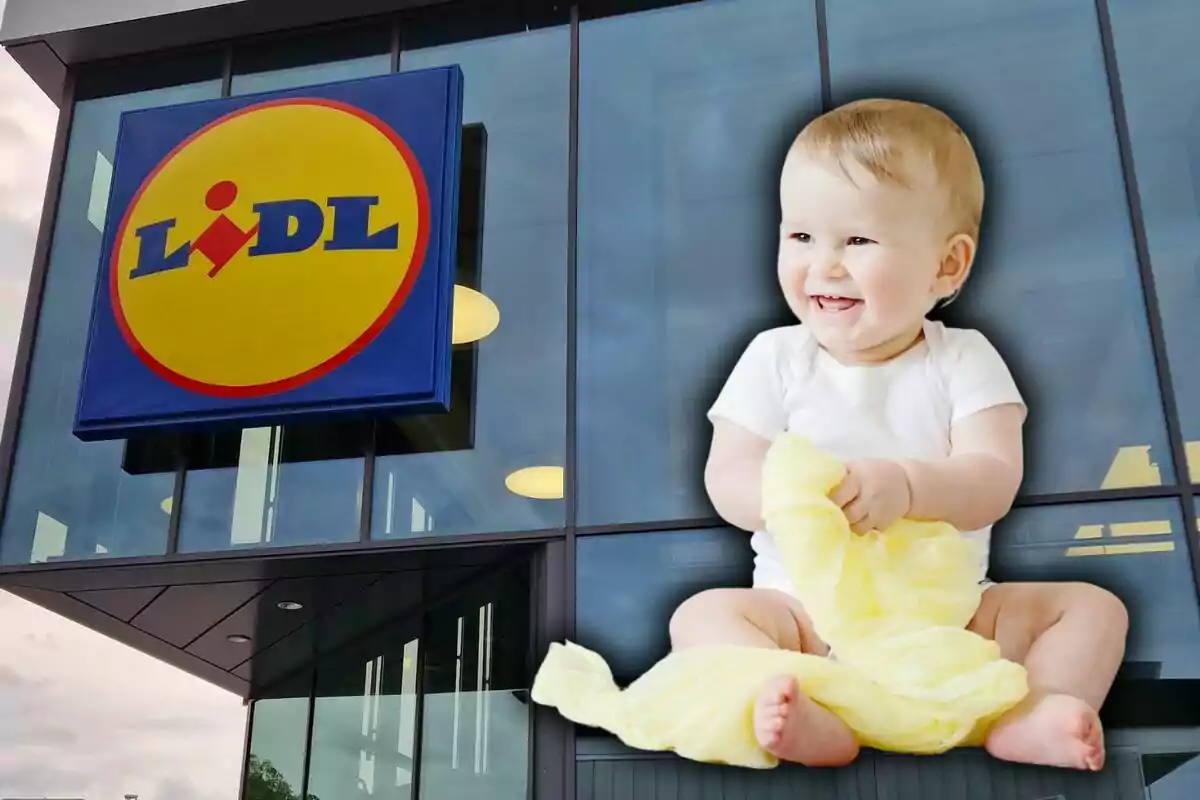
[628, 585]
[69, 499]
[311, 59]
[685, 114]
[476, 717]
[365, 728]
[445, 474]
[277, 745]
[1137, 550]
[439, 701]
[1160, 83]
[274, 487]
[1056, 286]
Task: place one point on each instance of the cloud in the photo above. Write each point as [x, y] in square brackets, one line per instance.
[102, 719]
[80, 714]
[9, 677]
[27, 121]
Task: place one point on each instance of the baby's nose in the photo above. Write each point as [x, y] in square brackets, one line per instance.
[829, 264]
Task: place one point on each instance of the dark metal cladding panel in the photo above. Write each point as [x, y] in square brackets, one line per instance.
[962, 775]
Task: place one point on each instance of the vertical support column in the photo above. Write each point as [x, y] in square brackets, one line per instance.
[553, 752]
[246, 749]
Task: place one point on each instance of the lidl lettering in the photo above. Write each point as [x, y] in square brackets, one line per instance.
[283, 227]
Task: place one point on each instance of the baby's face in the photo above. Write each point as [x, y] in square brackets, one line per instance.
[862, 262]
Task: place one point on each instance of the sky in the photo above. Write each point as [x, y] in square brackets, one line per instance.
[82, 716]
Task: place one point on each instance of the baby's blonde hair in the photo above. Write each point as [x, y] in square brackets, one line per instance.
[888, 138]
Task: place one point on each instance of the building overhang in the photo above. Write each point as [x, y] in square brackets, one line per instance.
[47, 36]
[184, 610]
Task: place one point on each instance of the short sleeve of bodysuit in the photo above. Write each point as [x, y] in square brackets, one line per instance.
[752, 396]
[976, 376]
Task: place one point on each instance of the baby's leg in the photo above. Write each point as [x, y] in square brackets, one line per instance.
[787, 723]
[1071, 638]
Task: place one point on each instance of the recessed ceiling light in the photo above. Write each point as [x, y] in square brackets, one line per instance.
[167, 504]
[238, 638]
[537, 483]
[475, 316]
[290, 605]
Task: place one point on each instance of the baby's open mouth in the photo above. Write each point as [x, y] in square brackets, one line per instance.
[828, 302]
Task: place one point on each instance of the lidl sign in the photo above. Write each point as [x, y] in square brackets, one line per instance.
[278, 257]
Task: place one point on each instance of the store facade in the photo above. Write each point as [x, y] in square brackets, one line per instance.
[381, 589]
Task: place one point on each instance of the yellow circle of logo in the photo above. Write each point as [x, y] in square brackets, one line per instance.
[270, 247]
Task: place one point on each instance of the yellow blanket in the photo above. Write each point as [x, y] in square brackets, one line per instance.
[907, 677]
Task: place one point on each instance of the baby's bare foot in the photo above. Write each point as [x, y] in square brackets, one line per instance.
[792, 727]
[1057, 730]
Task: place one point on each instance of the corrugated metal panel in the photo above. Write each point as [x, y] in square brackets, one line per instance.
[676, 779]
[973, 774]
[962, 775]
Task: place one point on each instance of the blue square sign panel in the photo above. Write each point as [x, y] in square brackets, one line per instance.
[278, 257]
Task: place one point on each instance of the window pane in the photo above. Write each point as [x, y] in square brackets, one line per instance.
[69, 499]
[628, 585]
[1136, 549]
[307, 60]
[475, 730]
[447, 474]
[146, 74]
[685, 114]
[453, 678]
[1056, 286]
[1160, 76]
[277, 745]
[364, 732]
[276, 486]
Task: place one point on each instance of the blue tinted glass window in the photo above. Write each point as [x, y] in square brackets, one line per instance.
[1136, 549]
[495, 462]
[685, 114]
[1160, 80]
[277, 486]
[312, 59]
[69, 499]
[628, 585]
[1056, 285]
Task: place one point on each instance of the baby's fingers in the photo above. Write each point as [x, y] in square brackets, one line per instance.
[858, 516]
[846, 491]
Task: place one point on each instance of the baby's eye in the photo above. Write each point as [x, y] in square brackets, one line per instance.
[858, 240]
[801, 237]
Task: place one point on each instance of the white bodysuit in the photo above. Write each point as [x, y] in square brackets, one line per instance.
[902, 409]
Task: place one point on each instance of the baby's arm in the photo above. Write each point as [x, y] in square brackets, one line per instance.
[747, 416]
[974, 487]
[733, 474]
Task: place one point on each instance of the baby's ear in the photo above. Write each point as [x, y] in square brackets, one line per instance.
[956, 264]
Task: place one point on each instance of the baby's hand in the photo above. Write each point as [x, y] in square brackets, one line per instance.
[873, 495]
